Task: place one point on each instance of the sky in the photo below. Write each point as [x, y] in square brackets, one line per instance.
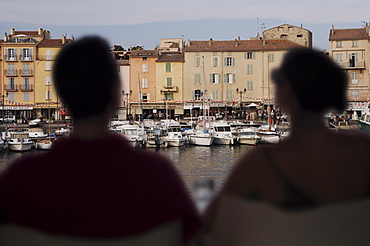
[79, 17]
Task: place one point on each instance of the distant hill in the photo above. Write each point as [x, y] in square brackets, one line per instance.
[149, 34]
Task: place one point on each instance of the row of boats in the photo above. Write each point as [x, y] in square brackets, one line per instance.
[148, 134]
[170, 133]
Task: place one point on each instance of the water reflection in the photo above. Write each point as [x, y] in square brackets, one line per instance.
[193, 162]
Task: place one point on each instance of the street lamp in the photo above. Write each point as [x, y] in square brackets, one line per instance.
[3, 101]
[127, 97]
[165, 93]
[241, 92]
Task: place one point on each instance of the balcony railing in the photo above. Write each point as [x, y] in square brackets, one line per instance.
[26, 72]
[10, 87]
[10, 58]
[170, 88]
[11, 72]
[352, 65]
[25, 87]
[25, 58]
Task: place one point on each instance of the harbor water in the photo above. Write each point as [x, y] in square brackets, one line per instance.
[194, 163]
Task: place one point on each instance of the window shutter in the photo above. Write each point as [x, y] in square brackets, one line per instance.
[193, 94]
[233, 62]
[219, 78]
[225, 61]
[211, 78]
[234, 78]
[148, 96]
[253, 55]
[225, 78]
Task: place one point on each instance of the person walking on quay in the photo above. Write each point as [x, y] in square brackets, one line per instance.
[92, 184]
[316, 167]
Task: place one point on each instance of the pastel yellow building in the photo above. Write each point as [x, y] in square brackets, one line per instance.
[169, 79]
[350, 49]
[46, 99]
[19, 50]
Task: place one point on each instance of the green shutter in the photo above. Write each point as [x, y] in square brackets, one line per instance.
[225, 78]
[234, 78]
[225, 61]
[233, 62]
[210, 78]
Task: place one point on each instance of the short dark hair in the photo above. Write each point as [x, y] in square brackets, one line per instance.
[319, 83]
[85, 75]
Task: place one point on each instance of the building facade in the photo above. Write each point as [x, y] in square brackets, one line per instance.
[349, 48]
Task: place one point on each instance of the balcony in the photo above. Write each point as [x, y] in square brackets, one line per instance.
[11, 72]
[26, 72]
[10, 87]
[25, 87]
[25, 58]
[352, 65]
[10, 58]
[170, 88]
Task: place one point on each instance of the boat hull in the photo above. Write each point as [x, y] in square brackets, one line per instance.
[247, 141]
[201, 140]
[20, 147]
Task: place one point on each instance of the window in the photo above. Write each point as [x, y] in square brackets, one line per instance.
[169, 96]
[26, 54]
[48, 80]
[339, 44]
[197, 61]
[229, 61]
[249, 69]
[284, 36]
[11, 68]
[26, 96]
[11, 54]
[229, 78]
[49, 55]
[229, 53]
[144, 58]
[229, 94]
[48, 95]
[146, 97]
[168, 67]
[215, 62]
[26, 83]
[11, 96]
[215, 53]
[354, 43]
[353, 59]
[169, 81]
[214, 94]
[214, 78]
[48, 66]
[197, 94]
[354, 94]
[197, 53]
[26, 70]
[249, 85]
[271, 57]
[11, 84]
[339, 59]
[144, 68]
[354, 78]
[197, 78]
[144, 83]
[249, 55]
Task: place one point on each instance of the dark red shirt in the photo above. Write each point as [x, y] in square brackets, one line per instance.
[100, 188]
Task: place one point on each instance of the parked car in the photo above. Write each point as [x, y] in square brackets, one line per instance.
[7, 119]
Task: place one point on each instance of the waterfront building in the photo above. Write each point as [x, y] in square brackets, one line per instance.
[169, 77]
[295, 34]
[46, 101]
[230, 74]
[350, 49]
[142, 80]
[26, 68]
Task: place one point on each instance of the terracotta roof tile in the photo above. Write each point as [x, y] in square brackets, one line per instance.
[348, 34]
[28, 33]
[240, 45]
[144, 53]
[52, 43]
[165, 57]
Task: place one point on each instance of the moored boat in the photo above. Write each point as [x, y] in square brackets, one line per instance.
[18, 141]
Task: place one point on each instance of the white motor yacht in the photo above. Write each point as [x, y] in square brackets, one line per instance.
[133, 134]
[18, 140]
[247, 135]
[222, 133]
[174, 136]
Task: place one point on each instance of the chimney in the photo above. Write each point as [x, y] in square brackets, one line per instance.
[40, 30]
[63, 39]
[189, 42]
[5, 37]
[210, 41]
[238, 37]
[236, 43]
[12, 31]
